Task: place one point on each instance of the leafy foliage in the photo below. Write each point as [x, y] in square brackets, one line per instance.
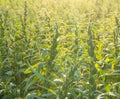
[59, 49]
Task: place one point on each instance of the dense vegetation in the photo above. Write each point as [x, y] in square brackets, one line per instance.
[59, 49]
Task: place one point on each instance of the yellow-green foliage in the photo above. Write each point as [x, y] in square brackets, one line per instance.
[59, 49]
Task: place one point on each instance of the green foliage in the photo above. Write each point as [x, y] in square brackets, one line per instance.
[59, 49]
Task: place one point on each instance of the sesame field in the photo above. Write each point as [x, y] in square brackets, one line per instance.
[59, 49]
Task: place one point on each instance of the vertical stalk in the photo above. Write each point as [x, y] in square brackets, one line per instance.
[24, 23]
[70, 78]
[92, 68]
[76, 39]
[116, 40]
[24, 43]
[3, 41]
[116, 37]
[53, 52]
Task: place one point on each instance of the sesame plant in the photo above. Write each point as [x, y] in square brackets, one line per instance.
[59, 49]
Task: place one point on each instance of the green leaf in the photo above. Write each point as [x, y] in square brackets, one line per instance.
[44, 53]
[42, 78]
[101, 96]
[10, 73]
[118, 59]
[32, 96]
